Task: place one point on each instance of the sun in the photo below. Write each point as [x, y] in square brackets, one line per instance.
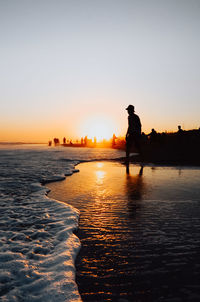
[99, 127]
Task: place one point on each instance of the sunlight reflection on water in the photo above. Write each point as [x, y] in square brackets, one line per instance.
[136, 229]
[100, 176]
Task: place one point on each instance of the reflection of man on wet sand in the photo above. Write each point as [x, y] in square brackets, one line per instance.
[134, 191]
[133, 135]
[134, 185]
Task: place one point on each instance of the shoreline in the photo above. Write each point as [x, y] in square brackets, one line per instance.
[103, 275]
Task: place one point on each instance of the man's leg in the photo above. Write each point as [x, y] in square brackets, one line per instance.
[138, 145]
[128, 146]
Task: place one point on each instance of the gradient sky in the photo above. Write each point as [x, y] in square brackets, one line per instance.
[65, 63]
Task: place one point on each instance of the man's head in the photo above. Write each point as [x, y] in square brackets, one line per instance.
[130, 109]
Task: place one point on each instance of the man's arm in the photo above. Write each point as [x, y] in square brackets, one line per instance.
[127, 133]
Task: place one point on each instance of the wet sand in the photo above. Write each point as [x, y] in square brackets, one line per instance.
[139, 231]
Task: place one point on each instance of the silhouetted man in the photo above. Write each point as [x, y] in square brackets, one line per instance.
[180, 130]
[153, 136]
[133, 135]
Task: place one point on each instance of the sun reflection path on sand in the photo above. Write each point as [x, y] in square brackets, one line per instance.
[139, 231]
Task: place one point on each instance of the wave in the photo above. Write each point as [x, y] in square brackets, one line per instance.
[37, 244]
[38, 249]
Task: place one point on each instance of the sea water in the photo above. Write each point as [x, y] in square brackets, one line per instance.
[37, 244]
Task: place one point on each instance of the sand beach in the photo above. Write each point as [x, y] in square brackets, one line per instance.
[139, 232]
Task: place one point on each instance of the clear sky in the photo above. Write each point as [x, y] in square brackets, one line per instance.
[65, 64]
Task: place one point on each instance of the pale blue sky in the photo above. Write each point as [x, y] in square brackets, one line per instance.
[62, 61]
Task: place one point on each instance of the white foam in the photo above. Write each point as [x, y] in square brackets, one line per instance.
[38, 249]
[37, 244]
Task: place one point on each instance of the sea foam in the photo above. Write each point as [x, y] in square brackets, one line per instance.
[37, 244]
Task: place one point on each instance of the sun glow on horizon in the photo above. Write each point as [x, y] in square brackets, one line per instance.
[99, 127]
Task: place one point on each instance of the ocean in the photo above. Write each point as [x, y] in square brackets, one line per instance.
[37, 244]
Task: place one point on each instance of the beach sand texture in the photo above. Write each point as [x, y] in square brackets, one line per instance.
[139, 231]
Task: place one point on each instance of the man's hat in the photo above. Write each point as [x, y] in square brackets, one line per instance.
[130, 107]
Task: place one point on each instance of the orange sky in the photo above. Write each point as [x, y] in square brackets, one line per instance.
[73, 127]
[86, 61]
